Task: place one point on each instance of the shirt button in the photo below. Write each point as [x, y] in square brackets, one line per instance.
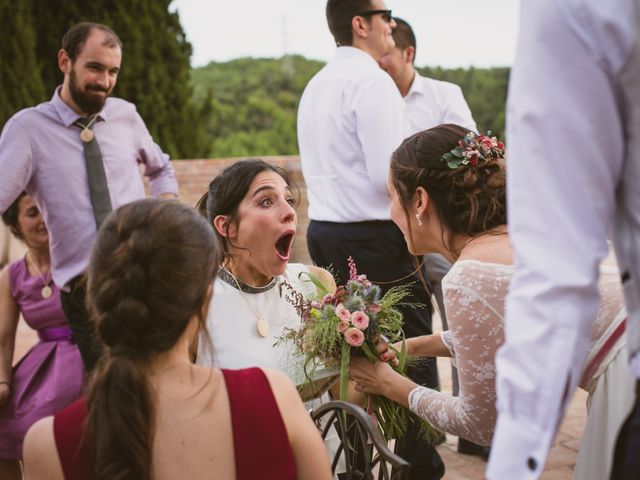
[531, 463]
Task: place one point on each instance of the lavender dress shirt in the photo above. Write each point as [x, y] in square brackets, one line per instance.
[41, 152]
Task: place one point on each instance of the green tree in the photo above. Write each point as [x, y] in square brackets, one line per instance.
[155, 72]
[20, 81]
[255, 101]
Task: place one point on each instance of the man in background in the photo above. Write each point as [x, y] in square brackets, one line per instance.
[429, 103]
[350, 120]
[78, 157]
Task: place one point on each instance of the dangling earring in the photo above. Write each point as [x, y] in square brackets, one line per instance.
[419, 219]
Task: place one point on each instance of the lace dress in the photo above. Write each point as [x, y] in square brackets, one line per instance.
[474, 295]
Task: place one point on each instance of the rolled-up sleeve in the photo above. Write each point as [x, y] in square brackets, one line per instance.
[16, 162]
[157, 165]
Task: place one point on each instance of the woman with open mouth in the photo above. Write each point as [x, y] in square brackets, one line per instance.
[251, 207]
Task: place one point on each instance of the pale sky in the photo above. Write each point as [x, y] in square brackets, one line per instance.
[450, 33]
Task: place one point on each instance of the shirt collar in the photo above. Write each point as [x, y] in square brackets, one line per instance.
[417, 86]
[66, 113]
[354, 53]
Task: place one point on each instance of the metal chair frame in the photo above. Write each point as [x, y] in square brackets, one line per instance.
[362, 444]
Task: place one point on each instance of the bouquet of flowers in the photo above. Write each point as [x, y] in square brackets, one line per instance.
[348, 322]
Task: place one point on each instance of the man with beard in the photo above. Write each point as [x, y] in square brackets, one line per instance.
[78, 156]
[350, 119]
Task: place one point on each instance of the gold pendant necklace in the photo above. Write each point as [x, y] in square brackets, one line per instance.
[46, 291]
[262, 325]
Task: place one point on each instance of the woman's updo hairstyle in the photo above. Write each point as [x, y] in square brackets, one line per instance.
[469, 199]
[150, 271]
[228, 189]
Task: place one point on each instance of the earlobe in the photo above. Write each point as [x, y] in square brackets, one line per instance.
[223, 226]
[358, 27]
[421, 201]
[64, 62]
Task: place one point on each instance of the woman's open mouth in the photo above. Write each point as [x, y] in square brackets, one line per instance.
[283, 246]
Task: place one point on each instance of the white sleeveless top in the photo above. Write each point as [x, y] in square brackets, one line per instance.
[232, 325]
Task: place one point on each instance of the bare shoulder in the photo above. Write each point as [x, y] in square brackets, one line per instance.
[281, 384]
[284, 391]
[40, 454]
[324, 276]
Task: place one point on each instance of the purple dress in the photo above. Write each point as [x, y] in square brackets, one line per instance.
[51, 375]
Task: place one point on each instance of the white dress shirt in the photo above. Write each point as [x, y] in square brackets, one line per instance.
[432, 102]
[570, 108]
[350, 120]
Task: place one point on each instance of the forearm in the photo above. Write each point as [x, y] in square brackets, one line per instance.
[6, 359]
[427, 346]
[397, 388]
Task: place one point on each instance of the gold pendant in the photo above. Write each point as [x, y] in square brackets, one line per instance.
[46, 291]
[86, 135]
[263, 327]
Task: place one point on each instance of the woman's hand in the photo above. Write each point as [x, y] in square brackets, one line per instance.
[371, 377]
[386, 352]
[380, 379]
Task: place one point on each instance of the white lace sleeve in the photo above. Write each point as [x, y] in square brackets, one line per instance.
[475, 334]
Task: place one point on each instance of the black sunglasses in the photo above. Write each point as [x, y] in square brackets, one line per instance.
[386, 14]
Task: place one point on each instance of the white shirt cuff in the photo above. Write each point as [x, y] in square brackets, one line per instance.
[519, 449]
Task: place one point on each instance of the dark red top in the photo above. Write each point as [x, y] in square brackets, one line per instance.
[260, 439]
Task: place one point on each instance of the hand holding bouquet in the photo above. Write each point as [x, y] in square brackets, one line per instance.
[349, 322]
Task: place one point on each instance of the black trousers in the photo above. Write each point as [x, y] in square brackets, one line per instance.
[380, 252]
[626, 460]
[74, 306]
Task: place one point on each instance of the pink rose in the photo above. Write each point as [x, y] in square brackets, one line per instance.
[354, 337]
[328, 298]
[343, 325]
[342, 313]
[360, 320]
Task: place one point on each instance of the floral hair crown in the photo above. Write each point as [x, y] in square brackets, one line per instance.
[473, 148]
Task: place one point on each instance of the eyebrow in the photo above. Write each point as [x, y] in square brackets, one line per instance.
[95, 64]
[267, 187]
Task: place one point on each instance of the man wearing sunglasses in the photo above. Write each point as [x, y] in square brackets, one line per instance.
[350, 120]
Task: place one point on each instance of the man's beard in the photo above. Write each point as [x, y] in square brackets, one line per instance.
[89, 104]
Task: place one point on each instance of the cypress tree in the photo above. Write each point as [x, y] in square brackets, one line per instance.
[155, 73]
[20, 81]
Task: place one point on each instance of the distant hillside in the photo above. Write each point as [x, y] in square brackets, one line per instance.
[254, 101]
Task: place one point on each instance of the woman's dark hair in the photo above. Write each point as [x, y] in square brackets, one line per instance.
[227, 190]
[149, 274]
[11, 214]
[469, 200]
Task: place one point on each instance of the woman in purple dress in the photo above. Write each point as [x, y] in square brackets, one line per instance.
[50, 376]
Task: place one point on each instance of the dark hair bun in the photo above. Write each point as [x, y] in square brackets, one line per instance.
[469, 199]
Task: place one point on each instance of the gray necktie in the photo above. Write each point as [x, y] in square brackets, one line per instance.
[98, 188]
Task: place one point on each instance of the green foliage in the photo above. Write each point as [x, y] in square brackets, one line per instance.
[155, 72]
[20, 82]
[255, 101]
[484, 89]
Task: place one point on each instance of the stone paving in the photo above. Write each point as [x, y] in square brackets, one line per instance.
[561, 460]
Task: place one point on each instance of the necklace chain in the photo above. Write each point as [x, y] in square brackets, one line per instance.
[46, 281]
[262, 325]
